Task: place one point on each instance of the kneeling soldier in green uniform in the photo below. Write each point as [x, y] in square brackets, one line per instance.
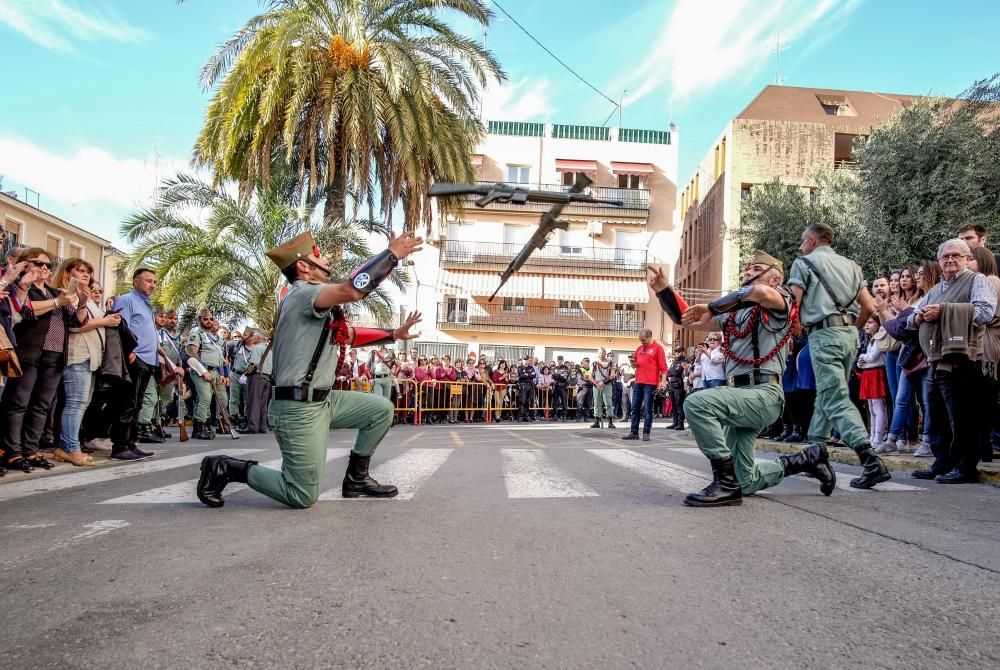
[310, 343]
[756, 322]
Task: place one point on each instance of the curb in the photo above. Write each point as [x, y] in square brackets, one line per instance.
[989, 473]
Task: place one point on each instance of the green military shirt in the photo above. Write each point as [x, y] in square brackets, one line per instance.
[770, 333]
[209, 347]
[300, 326]
[842, 274]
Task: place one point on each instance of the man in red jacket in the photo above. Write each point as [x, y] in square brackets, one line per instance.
[650, 373]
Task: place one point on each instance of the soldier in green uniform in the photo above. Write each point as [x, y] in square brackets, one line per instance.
[756, 321]
[834, 305]
[205, 358]
[309, 344]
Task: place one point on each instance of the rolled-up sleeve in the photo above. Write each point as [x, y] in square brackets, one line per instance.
[984, 301]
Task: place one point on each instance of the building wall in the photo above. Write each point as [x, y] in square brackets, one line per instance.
[37, 228]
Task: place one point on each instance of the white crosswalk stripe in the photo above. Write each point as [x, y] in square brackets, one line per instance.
[184, 492]
[34, 486]
[530, 473]
[671, 474]
[407, 472]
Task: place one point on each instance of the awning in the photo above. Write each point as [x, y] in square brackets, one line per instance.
[573, 165]
[477, 160]
[481, 283]
[631, 168]
[598, 289]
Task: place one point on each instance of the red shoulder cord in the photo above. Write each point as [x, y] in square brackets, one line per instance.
[756, 313]
[340, 333]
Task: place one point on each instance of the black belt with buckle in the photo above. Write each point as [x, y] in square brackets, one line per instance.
[755, 379]
[831, 322]
[300, 393]
[382, 376]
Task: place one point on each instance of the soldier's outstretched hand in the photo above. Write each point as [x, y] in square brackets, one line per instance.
[403, 332]
[696, 315]
[657, 280]
[405, 244]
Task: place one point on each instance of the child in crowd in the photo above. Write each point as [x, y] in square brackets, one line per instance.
[873, 387]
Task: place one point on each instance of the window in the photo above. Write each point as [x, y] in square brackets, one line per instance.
[625, 317]
[517, 234]
[52, 244]
[569, 178]
[519, 174]
[513, 305]
[835, 105]
[458, 310]
[629, 181]
[572, 240]
[570, 307]
[75, 250]
[745, 190]
[813, 196]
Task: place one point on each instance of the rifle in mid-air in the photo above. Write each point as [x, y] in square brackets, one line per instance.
[490, 193]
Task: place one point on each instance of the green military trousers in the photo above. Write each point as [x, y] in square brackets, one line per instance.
[603, 409]
[725, 422]
[302, 430]
[203, 408]
[237, 395]
[149, 398]
[833, 352]
[382, 386]
[166, 396]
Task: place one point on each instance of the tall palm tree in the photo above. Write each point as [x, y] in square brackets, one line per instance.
[368, 98]
[207, 247]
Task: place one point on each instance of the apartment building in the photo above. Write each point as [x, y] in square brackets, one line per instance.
[586, 289]
[784, 132]
[23, 225]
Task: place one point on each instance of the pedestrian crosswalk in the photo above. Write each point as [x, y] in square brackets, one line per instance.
[526, 474]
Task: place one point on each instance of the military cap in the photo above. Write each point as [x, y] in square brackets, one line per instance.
[300, 246]
[763, 258]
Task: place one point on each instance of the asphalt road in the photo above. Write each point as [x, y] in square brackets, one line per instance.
[510, 546]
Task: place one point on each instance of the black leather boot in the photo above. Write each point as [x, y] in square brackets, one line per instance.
[874, 471]
[596, 424]
[147, 436]
[680, 425]
[724, 489]
[796, 436]
[216, 472]
[611, 424]
[815, 462]
[357, 481]
[783, 435]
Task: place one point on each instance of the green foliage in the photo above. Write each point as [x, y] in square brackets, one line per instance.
[372, 99]
[929, 170]
[208, 248]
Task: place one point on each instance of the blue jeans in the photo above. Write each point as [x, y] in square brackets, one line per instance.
[892, 372]
[77, 385]
[904, 415]
[714, 383]
[642, 401]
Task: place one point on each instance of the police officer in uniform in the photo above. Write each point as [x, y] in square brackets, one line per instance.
[525, 388]
[756, 321]
[834, 305]
[675, 378]
[310, 343]
[560, 377]
[206, 357]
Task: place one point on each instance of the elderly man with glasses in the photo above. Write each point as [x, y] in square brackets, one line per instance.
[951, 318]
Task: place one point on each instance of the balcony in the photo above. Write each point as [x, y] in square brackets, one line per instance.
[496, 256]
[635, 200]
[492, 317]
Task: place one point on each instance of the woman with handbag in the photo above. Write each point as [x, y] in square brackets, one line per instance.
[42, 337]
[85, 352]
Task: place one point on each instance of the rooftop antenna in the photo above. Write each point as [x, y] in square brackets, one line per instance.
[621, 99]
[779, 79]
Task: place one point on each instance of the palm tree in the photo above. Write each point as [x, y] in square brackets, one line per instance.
[369, 98]
[207, 247]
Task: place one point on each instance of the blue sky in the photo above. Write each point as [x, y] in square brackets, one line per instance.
[101, 98]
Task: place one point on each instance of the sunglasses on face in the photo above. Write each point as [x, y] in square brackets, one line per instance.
[40, 264]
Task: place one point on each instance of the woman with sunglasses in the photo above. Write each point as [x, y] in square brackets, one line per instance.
[42, 338]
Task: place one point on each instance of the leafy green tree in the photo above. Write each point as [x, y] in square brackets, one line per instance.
[208, 248]
[372, 99]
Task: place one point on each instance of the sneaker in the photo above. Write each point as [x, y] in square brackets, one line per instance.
[141, 453]
[99, 444]
[923, 451]
[886, 448]
[127, 455]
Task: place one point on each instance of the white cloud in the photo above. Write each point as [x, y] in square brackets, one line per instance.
[56, 24]
[523, 100]
[88, 186]
[703, 44]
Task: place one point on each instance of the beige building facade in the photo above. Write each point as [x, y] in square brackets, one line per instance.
[22, 225]
[785, 132]
[586, 289]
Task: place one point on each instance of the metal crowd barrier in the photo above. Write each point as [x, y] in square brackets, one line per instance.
[448, 398]
[406, 399]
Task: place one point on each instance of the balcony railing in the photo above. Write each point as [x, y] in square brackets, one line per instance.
[492, 317]
[635, 200]
[462, 255]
